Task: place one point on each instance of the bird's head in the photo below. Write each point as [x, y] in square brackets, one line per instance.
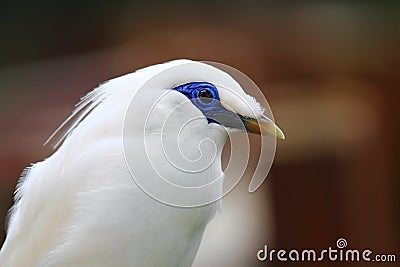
[185, 112]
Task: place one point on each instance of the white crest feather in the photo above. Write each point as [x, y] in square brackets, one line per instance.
[82, 109]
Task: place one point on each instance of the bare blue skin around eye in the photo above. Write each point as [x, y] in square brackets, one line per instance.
[213, 111]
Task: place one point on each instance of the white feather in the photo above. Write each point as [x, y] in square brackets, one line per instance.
[80, 206]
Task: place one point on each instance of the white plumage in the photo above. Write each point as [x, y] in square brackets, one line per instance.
[81, 207]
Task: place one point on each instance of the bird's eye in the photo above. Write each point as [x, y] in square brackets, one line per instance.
[206, 96]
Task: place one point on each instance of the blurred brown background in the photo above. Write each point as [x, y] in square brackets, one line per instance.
[329, 69]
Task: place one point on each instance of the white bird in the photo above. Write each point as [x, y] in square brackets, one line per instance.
[85, 204]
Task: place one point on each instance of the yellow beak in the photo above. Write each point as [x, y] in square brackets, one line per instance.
[262, 126]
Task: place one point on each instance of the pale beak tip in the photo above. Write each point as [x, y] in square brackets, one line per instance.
[279, 134]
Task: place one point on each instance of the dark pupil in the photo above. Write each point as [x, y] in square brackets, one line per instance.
[206, 96]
